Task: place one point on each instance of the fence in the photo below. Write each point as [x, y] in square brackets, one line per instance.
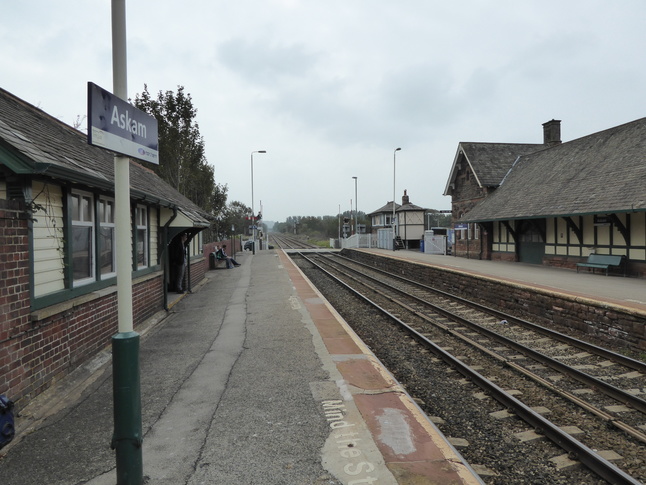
[358, 241]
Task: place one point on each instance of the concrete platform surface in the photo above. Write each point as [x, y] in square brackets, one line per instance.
[251, 379]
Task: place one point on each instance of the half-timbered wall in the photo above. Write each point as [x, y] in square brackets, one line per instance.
[601, 238]
[569, 243]
[638, 236]
[412, 225]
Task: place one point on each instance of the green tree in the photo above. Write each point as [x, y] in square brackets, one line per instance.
[233, 215]
[182, 162]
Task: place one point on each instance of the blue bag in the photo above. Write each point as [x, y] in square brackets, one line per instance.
[7, 430]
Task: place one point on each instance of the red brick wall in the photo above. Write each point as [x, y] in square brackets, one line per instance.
[33, 350]
[198, 270]
[147, 299]
[37, 348]
[58, 344]
[502, 256]
[54, 346]
[14, 293]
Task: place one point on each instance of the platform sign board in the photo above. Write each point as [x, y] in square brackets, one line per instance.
[114, 124]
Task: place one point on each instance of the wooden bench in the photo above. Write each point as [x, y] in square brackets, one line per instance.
[603, 261]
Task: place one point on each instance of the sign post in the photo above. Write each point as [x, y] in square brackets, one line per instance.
[118, 126]
[127, 438]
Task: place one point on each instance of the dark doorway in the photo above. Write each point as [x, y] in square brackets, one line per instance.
[531, 241]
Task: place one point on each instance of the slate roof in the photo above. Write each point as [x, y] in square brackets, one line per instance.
[409, 207]
[489, 162]
[388, 209]
[601, 173]
[33, 142]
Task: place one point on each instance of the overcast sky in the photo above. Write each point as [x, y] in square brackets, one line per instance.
[331, 87]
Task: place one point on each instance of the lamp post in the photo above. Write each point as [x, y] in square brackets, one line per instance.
[356, 207]
[339, 225]
[253, 213]
[233, 241]
[393, 221]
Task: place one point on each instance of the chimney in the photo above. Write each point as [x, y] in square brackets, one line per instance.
[552, 133]
[405, 199]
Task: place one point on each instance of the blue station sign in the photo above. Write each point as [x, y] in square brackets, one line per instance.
[115, 124]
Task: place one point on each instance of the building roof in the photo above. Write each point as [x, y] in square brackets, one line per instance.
[489, 162]
[600, 173]
[33, 142]
[387, 209]
[409, 208]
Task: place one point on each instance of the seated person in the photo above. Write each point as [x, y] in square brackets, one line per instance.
[222, 254]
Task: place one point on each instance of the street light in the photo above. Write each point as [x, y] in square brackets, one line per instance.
[356, 207]
[393, 220]
[233, 241]
[253, 213]
[339, 225]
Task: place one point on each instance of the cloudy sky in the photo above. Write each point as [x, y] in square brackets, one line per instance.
[331, 87]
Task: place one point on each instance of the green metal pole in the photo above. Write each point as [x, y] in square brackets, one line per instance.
[127, 438]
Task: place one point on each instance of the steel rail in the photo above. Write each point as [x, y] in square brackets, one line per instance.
[610, 419]
[581, 344]
[291, 243]
[608, 389]
[585, 455]
[628, 429]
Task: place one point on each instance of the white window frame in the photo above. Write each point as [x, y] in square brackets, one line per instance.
[81, 221]
[106, 221]
[141, 220]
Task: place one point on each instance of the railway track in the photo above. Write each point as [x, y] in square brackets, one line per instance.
[585, 399]
[291, 242]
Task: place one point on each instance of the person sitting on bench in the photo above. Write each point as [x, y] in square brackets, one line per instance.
[222, 254]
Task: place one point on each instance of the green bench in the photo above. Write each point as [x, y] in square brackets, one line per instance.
[603, 261]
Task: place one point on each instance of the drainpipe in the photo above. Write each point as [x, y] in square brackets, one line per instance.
[480, 241]
[188, 267]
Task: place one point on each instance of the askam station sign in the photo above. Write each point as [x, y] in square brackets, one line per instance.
[118, 126]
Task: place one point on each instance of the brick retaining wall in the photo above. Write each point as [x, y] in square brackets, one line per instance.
[616, 325]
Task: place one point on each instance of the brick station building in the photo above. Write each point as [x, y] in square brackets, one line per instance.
[57, 248]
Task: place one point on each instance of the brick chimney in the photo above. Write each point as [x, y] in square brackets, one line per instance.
[552, 133]
[405, 198]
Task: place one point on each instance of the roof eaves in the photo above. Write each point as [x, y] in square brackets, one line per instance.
[546, 216]
[18, 163]
[473, 170]
[450, 183]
